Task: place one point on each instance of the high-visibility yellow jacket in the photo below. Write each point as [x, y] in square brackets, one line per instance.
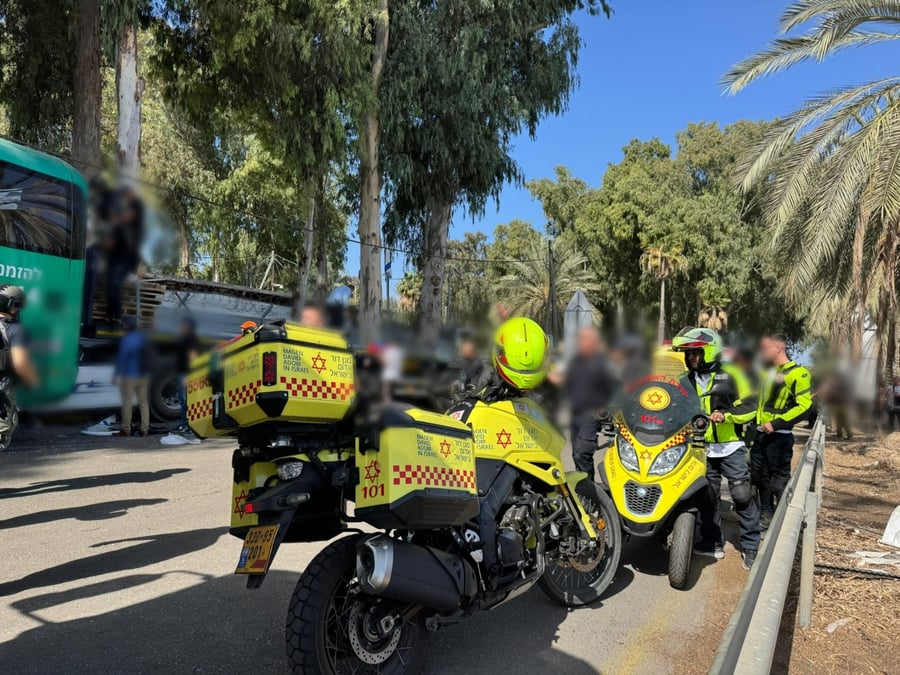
[785, 396]
[729, 392]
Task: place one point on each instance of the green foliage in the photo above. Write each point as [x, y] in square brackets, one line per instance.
[682, 203]
[37, 55]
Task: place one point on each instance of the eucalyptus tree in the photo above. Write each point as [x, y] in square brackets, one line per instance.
[460, 81]
[290, 73]
[827, 172]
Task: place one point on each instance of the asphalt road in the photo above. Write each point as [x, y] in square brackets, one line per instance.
[116, 558]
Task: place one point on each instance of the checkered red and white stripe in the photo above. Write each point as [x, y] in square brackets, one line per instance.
[308, 388]
[199, 409]
[435, 476]
[243, 395]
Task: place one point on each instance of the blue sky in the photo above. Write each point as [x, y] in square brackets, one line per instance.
[648, 71]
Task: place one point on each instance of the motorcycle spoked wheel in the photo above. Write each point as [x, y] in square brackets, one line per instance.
[579, 581]
[329, 629]
[681, 545]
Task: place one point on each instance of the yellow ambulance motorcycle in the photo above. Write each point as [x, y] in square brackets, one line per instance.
[461, 511]
[655, 468]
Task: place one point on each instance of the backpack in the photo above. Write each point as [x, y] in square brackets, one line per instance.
[5, 352]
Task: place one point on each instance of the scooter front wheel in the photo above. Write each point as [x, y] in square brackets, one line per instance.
[680, 548]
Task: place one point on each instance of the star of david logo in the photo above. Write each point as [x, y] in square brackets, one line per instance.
[445, 448]
[373, 470]
[504, 440]
[239, 502]
[654, 397]
[645, 455]
[319, 363]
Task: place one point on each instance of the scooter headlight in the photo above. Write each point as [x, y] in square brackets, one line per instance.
[667, 460]
[627, 454]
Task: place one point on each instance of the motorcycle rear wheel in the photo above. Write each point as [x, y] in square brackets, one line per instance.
[327, 629]
[680, 550]
[573, 583]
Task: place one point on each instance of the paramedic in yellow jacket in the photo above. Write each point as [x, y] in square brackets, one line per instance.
[727, 397]
[784, 400]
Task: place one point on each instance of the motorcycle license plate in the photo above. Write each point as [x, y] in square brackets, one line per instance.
[257, 551]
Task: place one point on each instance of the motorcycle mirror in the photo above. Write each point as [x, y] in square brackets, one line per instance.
[699, 423]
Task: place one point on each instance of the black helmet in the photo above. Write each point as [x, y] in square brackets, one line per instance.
[12, 298]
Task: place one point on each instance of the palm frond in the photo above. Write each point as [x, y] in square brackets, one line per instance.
[786, 52]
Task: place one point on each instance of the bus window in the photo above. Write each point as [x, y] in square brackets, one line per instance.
[36, 213]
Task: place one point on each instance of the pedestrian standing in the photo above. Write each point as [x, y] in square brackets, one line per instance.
[16, 367]
[892, 403]
[188, 349]
[588, 384]
[133, 374]
[785, 398]
[726, 396]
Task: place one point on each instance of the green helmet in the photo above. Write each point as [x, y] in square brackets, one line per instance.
[706, 340]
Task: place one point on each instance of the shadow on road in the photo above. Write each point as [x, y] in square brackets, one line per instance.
[216, 625]
[146, 551]
[102, 511]
[648, 556]
[88, 482]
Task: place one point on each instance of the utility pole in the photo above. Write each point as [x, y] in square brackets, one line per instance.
[551, 323]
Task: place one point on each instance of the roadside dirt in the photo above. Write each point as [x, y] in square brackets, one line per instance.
[862, 487]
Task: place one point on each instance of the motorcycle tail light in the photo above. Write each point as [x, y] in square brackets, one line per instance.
[269, 369]
[247, 508]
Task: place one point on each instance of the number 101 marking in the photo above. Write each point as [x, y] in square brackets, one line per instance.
[372, 491]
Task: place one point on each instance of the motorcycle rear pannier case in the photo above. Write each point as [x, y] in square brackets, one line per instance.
[420, 473]
[281, 372]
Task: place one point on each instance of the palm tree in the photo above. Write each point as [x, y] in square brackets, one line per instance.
[530, 291]
[409, 289]
[714, 317]
[828, 174]
[662, 263]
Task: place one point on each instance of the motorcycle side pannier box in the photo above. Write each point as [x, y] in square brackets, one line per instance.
[281, 372]
[421, 474]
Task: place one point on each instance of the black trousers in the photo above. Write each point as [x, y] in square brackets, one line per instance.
[770, 467]
[735, 470]
[584, 441]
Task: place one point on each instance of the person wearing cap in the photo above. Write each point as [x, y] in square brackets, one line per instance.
[16, 366]
[132, 373]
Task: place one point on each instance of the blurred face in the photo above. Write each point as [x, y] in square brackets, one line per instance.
[467, 350]
[588, 342]
[770, 350]
[312, 317]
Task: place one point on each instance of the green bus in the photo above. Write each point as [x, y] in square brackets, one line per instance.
[43, 219]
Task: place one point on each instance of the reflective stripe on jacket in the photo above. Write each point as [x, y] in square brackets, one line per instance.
[728, 391]
[785, 396]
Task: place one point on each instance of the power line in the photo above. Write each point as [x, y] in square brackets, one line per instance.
[261, 217]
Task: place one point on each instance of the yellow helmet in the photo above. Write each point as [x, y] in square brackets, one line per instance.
[521, 353]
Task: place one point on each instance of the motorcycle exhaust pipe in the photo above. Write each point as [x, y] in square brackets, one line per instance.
[419, 575]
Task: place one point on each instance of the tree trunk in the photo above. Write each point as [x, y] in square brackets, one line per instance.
[129, 93]
[435, 254]
[321, 269]
[370, 193]
[185, 247]
[661, 326]
[858, 320]
[620, 317]
[304, 261]
[86, 85]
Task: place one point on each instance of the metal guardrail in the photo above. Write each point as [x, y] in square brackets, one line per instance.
[748, 644]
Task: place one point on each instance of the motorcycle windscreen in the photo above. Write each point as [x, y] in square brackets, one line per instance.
[657, 407]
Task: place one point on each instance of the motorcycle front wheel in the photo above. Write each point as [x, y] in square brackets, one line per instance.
[330, 627]
[680, 550]
[574, 581]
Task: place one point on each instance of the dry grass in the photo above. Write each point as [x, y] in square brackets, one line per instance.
[862, 487]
